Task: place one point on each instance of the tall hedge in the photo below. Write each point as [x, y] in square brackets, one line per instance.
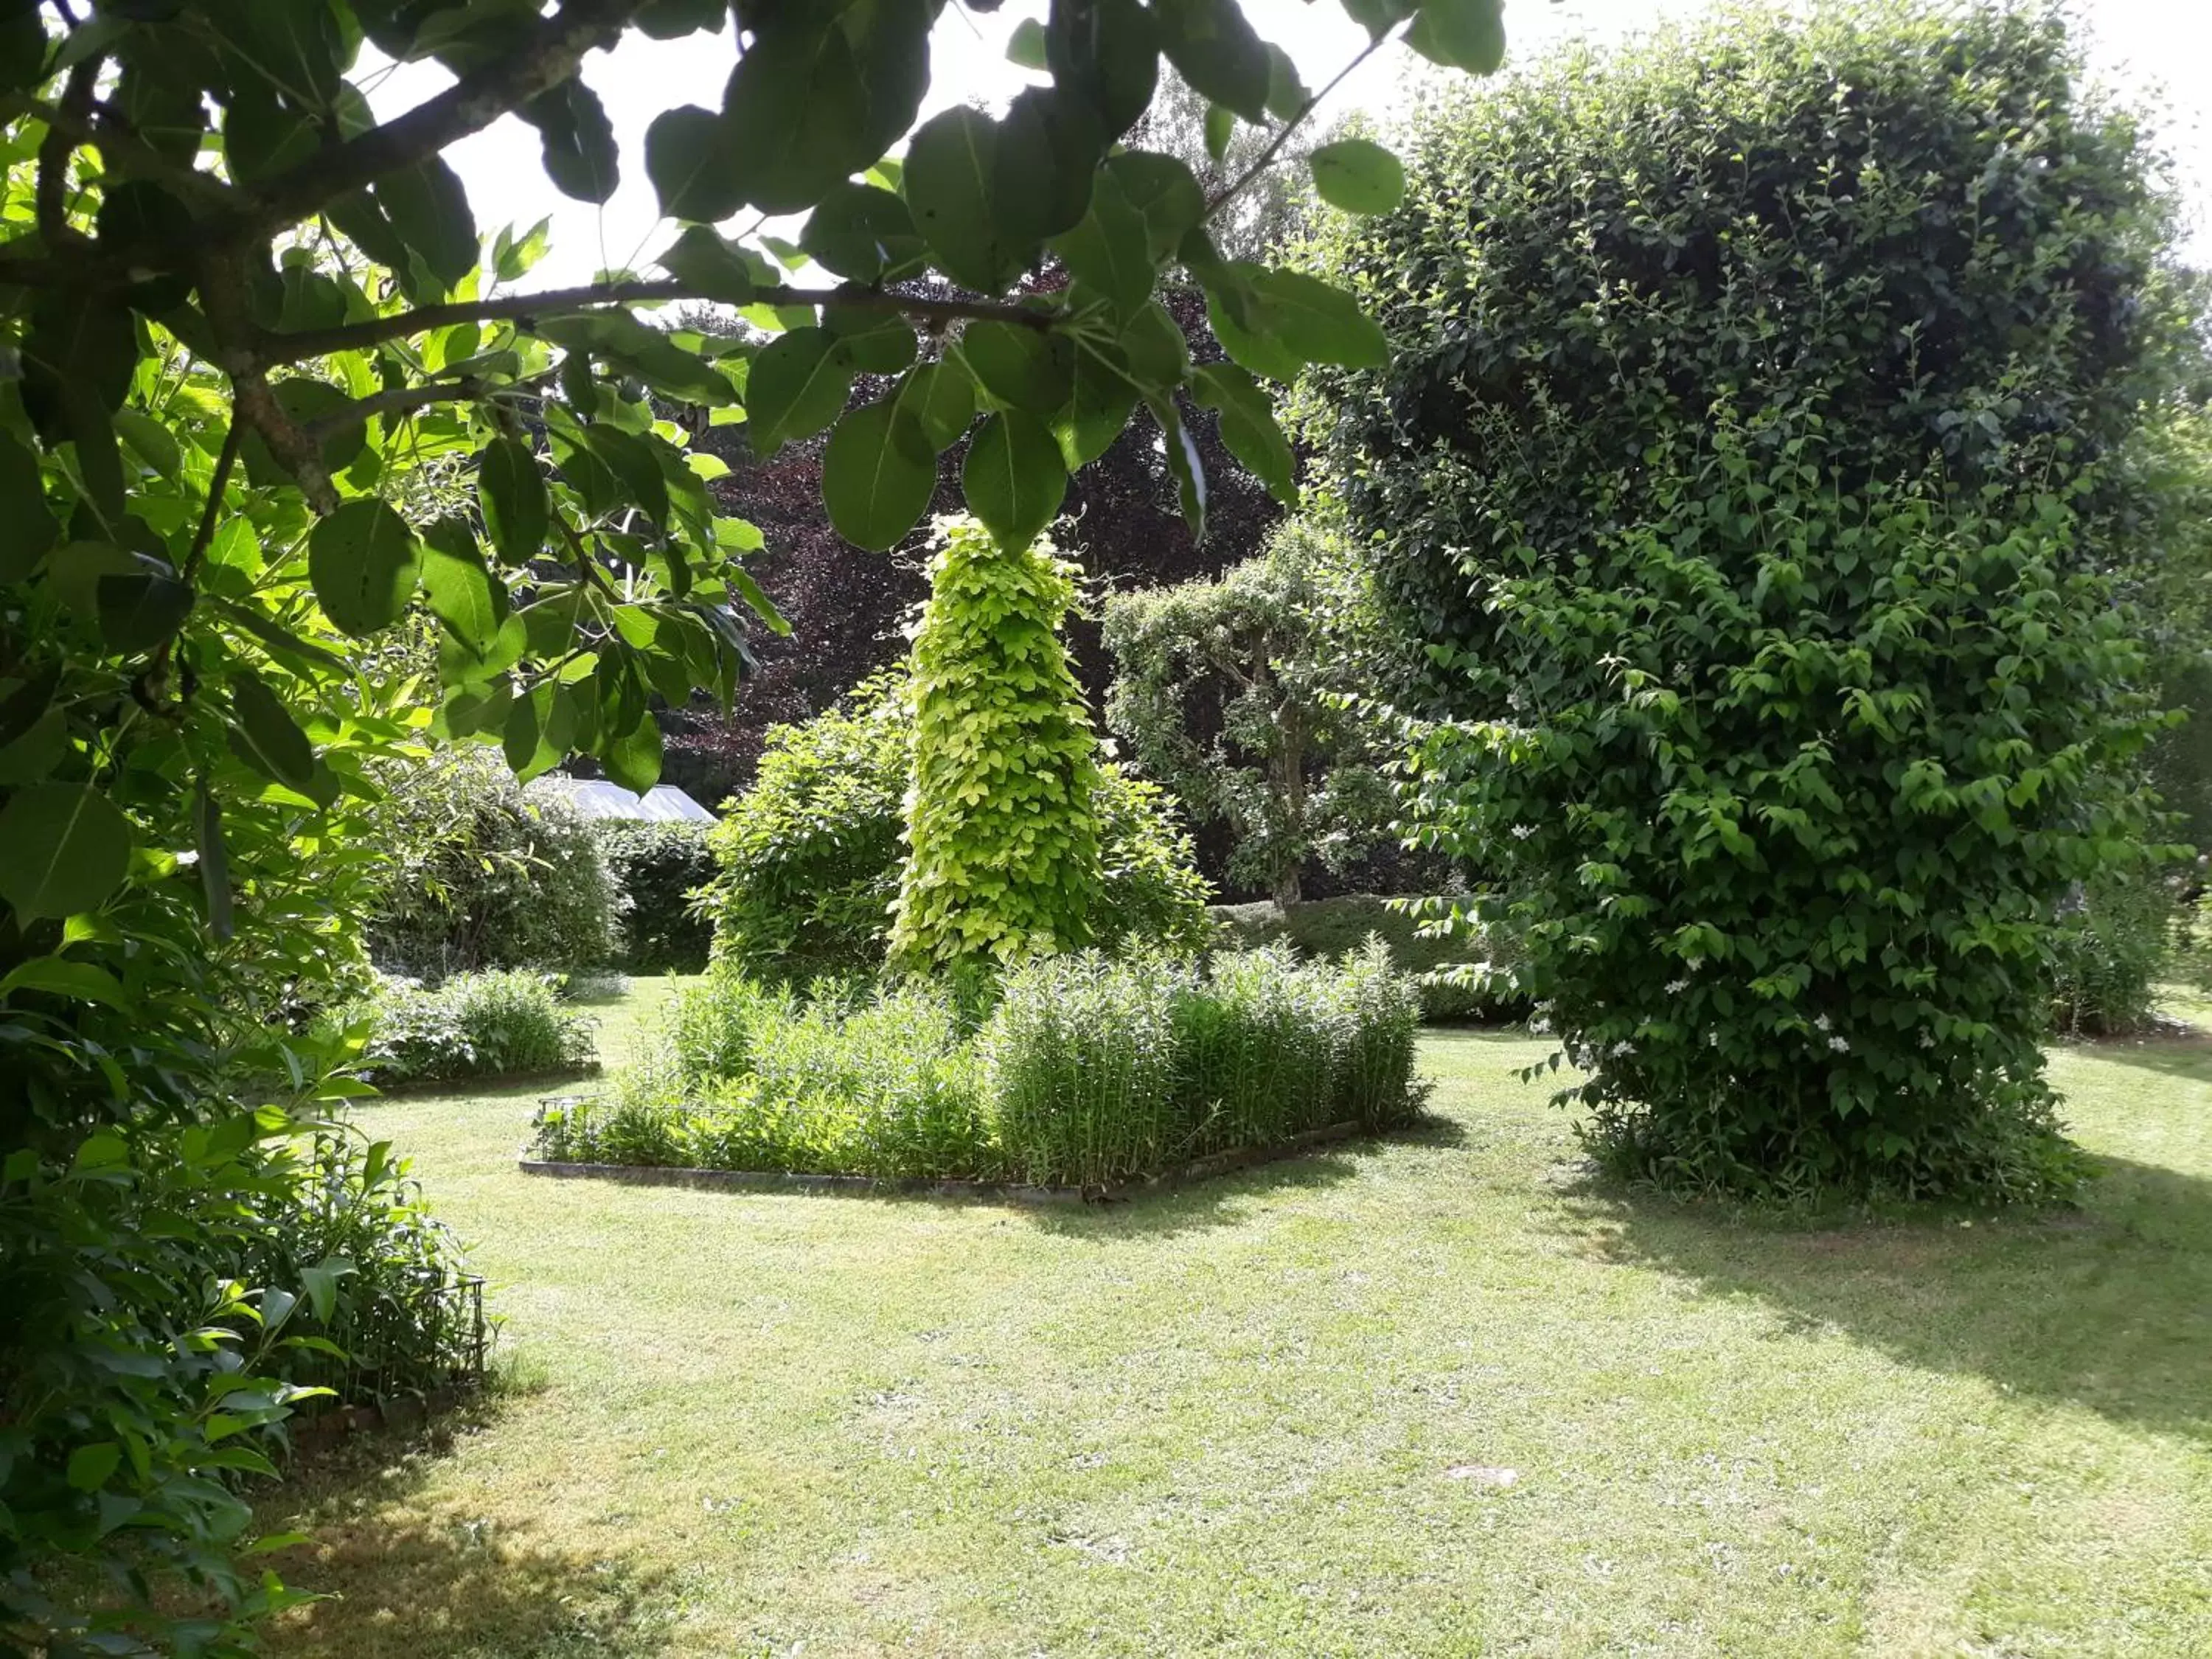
[1743, 484]
[657, 866]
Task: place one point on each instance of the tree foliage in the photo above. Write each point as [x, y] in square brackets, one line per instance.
[1747, 470]
[277, 396]
[1230, 692]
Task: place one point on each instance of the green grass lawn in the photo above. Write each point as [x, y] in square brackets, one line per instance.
[1437, 1395]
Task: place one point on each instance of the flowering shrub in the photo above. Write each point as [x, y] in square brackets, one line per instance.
[473, 1025]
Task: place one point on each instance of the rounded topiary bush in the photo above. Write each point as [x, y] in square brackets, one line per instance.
[1739, 484]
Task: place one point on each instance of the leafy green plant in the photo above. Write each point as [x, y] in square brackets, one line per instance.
[2116, 942]
[1002, 839]
[656, 868]
[474, 875]
[808, 859]
[471, 1025]
[1445, 962]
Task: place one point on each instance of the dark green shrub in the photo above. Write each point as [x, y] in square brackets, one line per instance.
[808, 860]
[1753, 416]
[1783, 838]
[1002, 837]
[1328, 928]
[472, 1025]
[475, 877]
[656, 867]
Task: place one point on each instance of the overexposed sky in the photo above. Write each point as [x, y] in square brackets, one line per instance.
[2159, 50]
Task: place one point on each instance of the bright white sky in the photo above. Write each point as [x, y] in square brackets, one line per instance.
[2160, 50]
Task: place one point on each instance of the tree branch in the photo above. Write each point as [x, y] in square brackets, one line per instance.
[1235, 188]
[401, 400]
[550, 57]
[292, 347]
[216, 485]
[51, 194]
[128, 153]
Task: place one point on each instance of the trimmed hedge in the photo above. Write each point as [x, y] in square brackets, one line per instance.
[657, 867]
[1326, 928]
[1091, 1071]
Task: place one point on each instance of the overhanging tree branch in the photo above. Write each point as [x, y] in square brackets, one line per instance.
[552, 54]
[124, 152]
[297, 347]
[1235, 187]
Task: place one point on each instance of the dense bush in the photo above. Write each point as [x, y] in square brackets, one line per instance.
[1322, 929]
[476, 876]
[1002, 837]
[656, 867]
[808, 860]
[1736, 481]
[1090, 1070]
[471, 1025]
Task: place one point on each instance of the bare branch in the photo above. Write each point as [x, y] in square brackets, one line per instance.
[216, 485]
[123, 151]
[1231, 190]
[551, 54]
[292, 347]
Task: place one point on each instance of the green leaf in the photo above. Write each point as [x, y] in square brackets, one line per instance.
[466, 597]
[363, 564]
[1026, 368]
[68, 849]
[1048, 150]
[89, 1467]
[140, 608]
[1025, 47]
[878, 342]
[949, 166]
[1213, 48]
[1248, 427]
[1014, 478]
[799, 386]
[214, 859]
[867, 235]
[32, 527]
[1110, 253]
[577, 140]
[633, 760]
[1106, 54]
[1359, 176]
[1164, 192]
[428, 210]
[537, 730]
[1320, 323]
[687, 157]
[632, 461]
[878, 475]
[716, 268]
[1185, 466]
[1098, 408]
[1220, 129]
[1462, 34]
[511, 491]
[273, 741]
[33, 753]
[80, 981]
[941, 398]
[152, 443]
[797, 113]
[321, 1282]
[1287, 96]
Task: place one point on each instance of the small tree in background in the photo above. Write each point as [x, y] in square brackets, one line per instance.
[1222, 690]
[1002, 837]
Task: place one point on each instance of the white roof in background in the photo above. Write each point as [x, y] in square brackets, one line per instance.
[594, 798]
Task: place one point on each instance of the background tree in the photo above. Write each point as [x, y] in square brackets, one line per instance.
[1229, 691]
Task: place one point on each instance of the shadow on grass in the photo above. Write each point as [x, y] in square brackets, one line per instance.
[404, 1581]
[2178, 1053]
[2108, 1307]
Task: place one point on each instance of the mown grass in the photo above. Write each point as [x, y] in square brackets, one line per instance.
[1435, 1395]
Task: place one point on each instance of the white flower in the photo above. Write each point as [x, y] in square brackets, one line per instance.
[1675, 988]
[1819, 1022]
[1839, 1045]
[1522, 831]
[1928, 1039]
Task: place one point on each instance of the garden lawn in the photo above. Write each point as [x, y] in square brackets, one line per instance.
[1435, 1395]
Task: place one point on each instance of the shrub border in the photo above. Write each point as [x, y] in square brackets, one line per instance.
[1216, 1163]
